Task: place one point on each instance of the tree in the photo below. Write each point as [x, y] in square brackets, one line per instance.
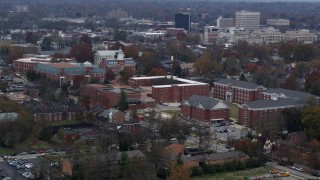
[172, 128]
[312, 83]
[32, 75]
[205, 65]
[131, 52]
[176, 68]
[30, 38]
[119, 35]
[231, 67]
[292, 119]
[125, 74]
[82, 52]
[304, 52]
[148, 61]
[110, 75]
[46, 44]
[125, 142]
[203, 134]
[157, 72]
[310, 120]
[251, 67]
[178, 172]
[15, 53]
[291, 83]
[242, 77]
[123, 102]
[85, 39]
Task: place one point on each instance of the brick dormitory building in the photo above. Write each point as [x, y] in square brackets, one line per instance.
[171, 88]
[256, 103]
[204, 109]
[108, 97]
[274, 100]
[237, 91]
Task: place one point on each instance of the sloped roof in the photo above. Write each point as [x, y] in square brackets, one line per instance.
[205, 102]
[215, 156]
[106, 113]
[241, 84]
[8, 116]
[289, 93]
[269, 103]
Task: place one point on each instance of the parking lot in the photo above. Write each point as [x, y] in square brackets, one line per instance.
[22, 168]
[224, 133]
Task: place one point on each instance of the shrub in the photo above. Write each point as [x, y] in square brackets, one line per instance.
[196, 171]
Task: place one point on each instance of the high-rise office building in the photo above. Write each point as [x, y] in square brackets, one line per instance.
[183, 20]
[225, 22]
[281, 24]
[247, 20]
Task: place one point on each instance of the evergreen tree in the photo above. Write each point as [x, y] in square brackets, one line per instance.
[123, 102]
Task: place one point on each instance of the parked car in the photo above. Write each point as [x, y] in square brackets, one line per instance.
[274, 171]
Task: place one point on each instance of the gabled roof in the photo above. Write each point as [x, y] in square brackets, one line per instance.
[289, 93]
[269, 103]
[205, 102]
[240, 84]
[106, 113]
[8, 116]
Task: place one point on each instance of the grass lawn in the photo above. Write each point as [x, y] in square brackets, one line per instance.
[235, 175]
[63, 123]
[5, 151]
[40, 144]
[233, 111]
[172, 112]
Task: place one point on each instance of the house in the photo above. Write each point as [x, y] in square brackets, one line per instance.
[113, 115]
[112, 158]
[129, 126]
[237, 91]
[204, 109]
[211, 159]
[11, 116]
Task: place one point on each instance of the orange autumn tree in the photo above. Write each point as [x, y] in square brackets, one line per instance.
[157, 72]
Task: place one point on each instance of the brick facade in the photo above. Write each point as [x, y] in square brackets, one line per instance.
[66, 73]
[262, 112]
[237, 91]
[107, 97]
[179, 89]
[204, 109]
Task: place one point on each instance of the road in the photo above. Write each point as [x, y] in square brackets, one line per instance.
[294, 173]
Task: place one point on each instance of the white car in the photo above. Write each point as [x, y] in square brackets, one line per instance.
[299, 169]
[28, 165]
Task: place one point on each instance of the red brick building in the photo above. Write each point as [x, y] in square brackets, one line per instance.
[204, 109]
[176, 90]
[259, 112]
[65, 73]
[237, 91]
[113, 60]
[24, 65]
[107, 97]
